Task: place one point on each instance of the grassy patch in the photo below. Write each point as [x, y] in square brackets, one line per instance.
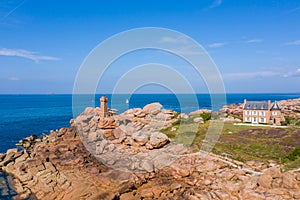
[186, 138]
[177, 122]
[294, 154]
[293, 164]
[204, 116]
[244, 142]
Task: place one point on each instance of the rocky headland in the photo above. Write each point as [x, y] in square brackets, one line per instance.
[125, 156]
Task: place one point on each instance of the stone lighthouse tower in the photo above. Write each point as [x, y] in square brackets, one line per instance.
[103, 107]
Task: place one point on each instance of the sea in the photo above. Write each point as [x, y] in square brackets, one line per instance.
[24, 115]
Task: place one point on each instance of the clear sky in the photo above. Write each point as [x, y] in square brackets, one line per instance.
[254, 43]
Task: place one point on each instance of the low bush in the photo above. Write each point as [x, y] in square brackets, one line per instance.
[292, 121]
[176, 114]
[293, 155]
[177, 122]
[206, 116]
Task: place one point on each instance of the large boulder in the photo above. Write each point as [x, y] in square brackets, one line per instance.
[289, 181]
[161, 116]
[199, 112]
[265, 180]
[119, 133]
[158, 140]
[139, 113]
[199, 120]
[153, 108]
[139, 138]
[183, 116]
[274, 172]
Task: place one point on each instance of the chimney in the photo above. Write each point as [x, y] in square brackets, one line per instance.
[269, 104]
[245, 101]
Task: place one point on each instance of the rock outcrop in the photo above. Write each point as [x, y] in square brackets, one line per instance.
[131, 159]
[290, 108]
[59, 167]
[130, 141]
[232, 109]
[199, 112]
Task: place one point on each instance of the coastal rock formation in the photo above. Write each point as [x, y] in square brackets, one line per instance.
[158, 140]
[290, 108]
[198, 120]
[232, 119]
[6, 191]
[199, 112]
[153, 108]
[59, 167]
[232, 109]
[131, 159]
[130, 141]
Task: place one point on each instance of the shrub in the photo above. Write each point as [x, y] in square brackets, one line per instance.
[205, 116]
[293, 155]
[292, 121]
[176, 114]
[177, 122]
[284, 123]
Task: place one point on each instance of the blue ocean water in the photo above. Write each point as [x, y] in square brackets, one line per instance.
[24, 115]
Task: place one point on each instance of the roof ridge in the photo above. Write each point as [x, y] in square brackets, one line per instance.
[275, 106]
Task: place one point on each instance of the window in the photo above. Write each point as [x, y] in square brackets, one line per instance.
[262, 113]
[248, 119]
[254, 113]
[262, 120]
[274, 113]
[248, 112]
[254, 119]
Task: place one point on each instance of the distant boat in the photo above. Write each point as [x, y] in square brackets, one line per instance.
[127, 101]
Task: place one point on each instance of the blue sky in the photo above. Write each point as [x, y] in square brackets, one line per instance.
[254, 43]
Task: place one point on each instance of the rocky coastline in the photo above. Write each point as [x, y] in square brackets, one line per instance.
[126, 156]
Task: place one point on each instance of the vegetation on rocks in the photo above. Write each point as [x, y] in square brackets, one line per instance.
[245, 143]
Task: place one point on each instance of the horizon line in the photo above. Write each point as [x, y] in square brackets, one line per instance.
[148, 93]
